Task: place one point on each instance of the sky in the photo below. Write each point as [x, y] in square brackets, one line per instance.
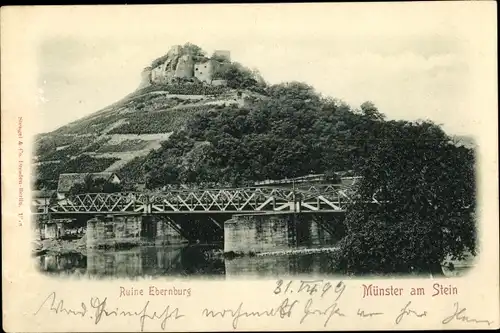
[411, 61]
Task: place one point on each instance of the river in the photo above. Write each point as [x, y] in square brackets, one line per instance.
[201, 261]
[195, 261]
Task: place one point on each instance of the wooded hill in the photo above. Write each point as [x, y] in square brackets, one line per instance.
[192, 132]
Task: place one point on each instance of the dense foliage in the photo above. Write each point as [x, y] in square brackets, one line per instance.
[132, 172]
[94, 185]
[50, 148]
[178, 87]
[416, 200]
[47, 175]
[48, 144]
[240, 77]
[156, 122]
[190, 48]
[293, 133]
[184, 87]
[86, 163]
[425, 186]
[88, 125]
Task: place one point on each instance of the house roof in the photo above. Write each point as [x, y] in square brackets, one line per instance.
[67, 180]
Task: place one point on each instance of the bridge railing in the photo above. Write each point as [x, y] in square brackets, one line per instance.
[247, 199]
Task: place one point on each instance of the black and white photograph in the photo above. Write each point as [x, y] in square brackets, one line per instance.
[250, 167]
[201, 151]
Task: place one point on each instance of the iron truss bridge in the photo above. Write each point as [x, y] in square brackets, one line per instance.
[323, 198]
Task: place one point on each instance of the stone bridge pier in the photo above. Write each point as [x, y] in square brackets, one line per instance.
[240, 233]
[276, 232]
[53, 230]
[131, 230]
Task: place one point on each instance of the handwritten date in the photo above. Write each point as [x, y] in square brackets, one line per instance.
[310, 287]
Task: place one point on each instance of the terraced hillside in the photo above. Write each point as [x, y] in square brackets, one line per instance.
[110, 139]
[177, 129]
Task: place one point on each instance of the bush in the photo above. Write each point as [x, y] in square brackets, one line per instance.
[133, 172]
[93, 185]
[48, 172]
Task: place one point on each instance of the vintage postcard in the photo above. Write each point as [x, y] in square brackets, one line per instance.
[249, 167]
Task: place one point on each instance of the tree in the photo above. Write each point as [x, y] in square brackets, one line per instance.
[425, 188]
[92, 185]
[293, 92]
[87, 186]
[236, 75]
[193, 49]
[219, 58]
[369, 110]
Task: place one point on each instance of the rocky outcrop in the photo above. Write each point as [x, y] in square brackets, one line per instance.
[185, 67]
[145, 78]
[175, 64]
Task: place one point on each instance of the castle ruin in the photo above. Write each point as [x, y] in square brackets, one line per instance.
[179, 63]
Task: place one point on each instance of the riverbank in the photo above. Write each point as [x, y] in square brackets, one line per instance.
[64, 246]
[60, 246]
[297, 251]
[214, 252]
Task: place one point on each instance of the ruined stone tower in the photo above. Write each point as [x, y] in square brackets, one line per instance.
[180, 63]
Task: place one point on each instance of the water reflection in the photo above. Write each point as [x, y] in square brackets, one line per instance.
[191, 261]
[194, 261]
[74, 264]
[280, 265]
[62, 262]
[155, 261]
[280, 233]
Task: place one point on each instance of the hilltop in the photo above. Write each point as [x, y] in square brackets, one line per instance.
[171, 90]
[210, 120]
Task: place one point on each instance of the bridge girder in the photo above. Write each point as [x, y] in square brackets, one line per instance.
[316, 198]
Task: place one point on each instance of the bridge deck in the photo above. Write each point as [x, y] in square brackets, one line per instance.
[315, 198]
